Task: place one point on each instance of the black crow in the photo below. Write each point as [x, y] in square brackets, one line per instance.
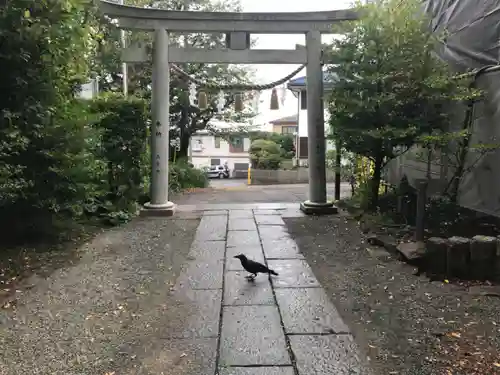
[254, 267]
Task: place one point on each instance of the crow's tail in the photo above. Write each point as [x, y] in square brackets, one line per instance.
[273, 272]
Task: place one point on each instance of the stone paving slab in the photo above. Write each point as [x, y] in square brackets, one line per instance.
[215, 213]
[240, 214]
[196, 314]
[243, 238]
[292, 213]
[293, 273]
[252, 335]
[212, 228]
[269, 220]
[285, 248]
[308, 310]
[288, 370]
[202, 274]
[252, 338]
[267, 206]
[207, 249]
[253, 252]
[273, 233]
[327, 355]
[179, 357]
[242, 224]
[264, 211]
[239, 291]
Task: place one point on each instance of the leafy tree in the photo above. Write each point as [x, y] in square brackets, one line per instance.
[42, 134]
[285, 141]
[185, 118]
[265, 154]
[390, 89]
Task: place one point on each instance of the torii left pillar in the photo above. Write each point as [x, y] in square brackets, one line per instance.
[159, 204]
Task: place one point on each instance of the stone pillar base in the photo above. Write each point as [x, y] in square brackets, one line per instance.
[158, 210]
[311, 208]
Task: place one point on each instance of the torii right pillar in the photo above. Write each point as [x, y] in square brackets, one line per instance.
[317, 204]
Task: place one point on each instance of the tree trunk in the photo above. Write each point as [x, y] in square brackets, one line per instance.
[184, 145]
[452, 190]
[375, 182]
[184, 133]
[338, 159]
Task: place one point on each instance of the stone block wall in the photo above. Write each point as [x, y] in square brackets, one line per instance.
[281, 176]
[476, 258]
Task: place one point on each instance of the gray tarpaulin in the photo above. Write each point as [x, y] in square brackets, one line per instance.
[472, 30]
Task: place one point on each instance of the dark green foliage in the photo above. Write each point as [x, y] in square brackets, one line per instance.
[122, 127]
[63, 160]
[347, 168]
[285, 141]
[42, 132]
[183, 176]
[389, 90]
[265, 154]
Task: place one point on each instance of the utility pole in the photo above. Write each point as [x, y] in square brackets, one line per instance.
[124, 65]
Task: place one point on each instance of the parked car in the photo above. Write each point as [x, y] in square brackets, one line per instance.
[218, 171]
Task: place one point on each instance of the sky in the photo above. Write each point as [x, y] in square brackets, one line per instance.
[269, 73]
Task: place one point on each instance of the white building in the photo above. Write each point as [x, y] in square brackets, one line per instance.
[298, 88]
[206, 149]
[89, 90]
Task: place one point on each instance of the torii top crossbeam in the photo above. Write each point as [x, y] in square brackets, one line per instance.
[130, 17]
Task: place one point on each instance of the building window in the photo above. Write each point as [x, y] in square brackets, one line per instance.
[197, 146]
[217, 142]
[214, 162]
[288, 130]
[236, 144]
[303, 100]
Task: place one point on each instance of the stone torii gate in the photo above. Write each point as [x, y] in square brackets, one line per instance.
[238, 27]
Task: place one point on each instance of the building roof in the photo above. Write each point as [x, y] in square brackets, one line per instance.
[294, 119]
[227, 127]
[299, 84]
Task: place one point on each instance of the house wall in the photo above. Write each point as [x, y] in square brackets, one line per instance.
[278, 128]
[302, 116]
[202, 156]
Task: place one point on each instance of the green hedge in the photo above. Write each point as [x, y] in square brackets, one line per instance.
[122, 130]
[90, 162]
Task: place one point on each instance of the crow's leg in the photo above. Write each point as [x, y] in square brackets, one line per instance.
[251, 277]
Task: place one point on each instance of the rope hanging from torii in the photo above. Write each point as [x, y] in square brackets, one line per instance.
[239, 87]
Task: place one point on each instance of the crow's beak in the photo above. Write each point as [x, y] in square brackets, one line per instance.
[235, 256]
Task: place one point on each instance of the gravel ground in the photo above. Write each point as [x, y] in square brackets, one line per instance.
[406, 324]
[100, 314]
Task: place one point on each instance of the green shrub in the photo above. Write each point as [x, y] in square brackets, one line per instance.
[183, 176]
[122, 127]
[265, 154]
[43, 130]
[284, 141]
[52, 176]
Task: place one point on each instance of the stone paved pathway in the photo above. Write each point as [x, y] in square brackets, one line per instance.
[279, 325]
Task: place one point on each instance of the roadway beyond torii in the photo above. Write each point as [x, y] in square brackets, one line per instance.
[238, 27]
